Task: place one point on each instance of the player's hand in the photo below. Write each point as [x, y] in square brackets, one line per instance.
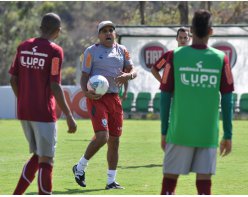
[92, 95]
[163, 142]
[122, 78]
[71, 123]
[225, 147]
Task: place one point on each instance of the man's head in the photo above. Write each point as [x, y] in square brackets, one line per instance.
[50, 25]
[182, 36]
[106, 33]
[103, 24]
[202, 24]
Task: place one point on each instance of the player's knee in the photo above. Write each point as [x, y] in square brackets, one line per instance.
[102, 138]
[44, 159]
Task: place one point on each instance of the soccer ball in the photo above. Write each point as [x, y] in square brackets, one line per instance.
[99, 84]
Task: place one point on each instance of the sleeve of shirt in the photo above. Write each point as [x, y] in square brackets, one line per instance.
[161, 61]
[226, 83]
[165, 103]
[127, 58]
[57, 61]
[167, 82]
[14, 69]
[227, 114]
[87, 61]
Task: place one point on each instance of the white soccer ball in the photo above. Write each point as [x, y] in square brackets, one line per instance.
[99, 84]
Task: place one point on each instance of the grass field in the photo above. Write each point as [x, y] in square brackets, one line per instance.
[140, 163]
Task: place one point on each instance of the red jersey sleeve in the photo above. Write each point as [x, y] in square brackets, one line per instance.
[14, 66]
[56, 65]
[167, 82]
[161, 62]
[226, 83]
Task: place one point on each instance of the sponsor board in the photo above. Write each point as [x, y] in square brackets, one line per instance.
[229, 50]
[150, 53]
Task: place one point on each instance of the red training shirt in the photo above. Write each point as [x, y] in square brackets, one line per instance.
[37, 63]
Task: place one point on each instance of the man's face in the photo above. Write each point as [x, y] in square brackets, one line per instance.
[183, 38]
[107, 36]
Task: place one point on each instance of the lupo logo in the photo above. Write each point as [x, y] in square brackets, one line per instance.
[199, 76]
[150, 53]
[228, 49]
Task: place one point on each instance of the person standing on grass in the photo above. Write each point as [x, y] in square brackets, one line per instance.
[109, 59]
[35, 80]
[193, 80]
[183, 39]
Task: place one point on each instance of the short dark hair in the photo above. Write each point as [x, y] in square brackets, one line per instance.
[182, 29]
[50, 23]
[201, 22]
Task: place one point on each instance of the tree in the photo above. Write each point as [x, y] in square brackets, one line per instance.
[184, 12]
[142, 12]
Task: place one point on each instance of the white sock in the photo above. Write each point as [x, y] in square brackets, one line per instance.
[82, 164]
[111, 176]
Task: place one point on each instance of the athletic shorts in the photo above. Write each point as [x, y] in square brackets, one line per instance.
[106, 114]
[184, 159]
[41, 136]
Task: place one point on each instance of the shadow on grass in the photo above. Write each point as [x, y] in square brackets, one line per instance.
[144, 166]
[70, 191]
[77, 140]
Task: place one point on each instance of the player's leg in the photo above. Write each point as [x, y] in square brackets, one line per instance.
[203, 184]
[45, 175]
[31, 167]
[99, 121]
[115, 131]
[177, 161]
[204, 165]
[46, 137]
[169, 184]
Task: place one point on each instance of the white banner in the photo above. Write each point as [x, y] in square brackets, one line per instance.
[73, 94]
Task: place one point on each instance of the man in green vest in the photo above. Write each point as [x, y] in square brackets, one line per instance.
[194, 78]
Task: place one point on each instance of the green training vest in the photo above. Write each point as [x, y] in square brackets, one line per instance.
[194, 119]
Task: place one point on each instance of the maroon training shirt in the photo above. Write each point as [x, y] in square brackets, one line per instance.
[37, 63]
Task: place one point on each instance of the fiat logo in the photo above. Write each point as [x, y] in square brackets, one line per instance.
[150, 53]
[229, 50]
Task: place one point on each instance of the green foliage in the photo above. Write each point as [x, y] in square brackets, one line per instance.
[69, 75]
[20, 20]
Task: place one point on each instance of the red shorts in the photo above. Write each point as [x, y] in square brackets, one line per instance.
[106, 114]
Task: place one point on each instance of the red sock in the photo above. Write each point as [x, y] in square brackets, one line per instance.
[27, 176]
[168, 186]
[45, 179]
[203, 187]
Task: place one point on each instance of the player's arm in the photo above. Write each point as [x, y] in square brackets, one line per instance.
[159, 64]
[167, 89]
[226, 89]
[83, 82]
[14, 84]
[56, 89]
[129, 71]
[124, 95]
[156, 74]
[87, 64]
[60, 99]
[227, 112]
[165, 103]
[14, 74]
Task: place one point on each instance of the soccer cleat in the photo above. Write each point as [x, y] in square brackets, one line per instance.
[79, 176]
[114, 185]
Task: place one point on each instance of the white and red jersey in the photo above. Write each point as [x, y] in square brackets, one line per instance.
[37, 63]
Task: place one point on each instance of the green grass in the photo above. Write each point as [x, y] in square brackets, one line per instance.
[140, 163]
